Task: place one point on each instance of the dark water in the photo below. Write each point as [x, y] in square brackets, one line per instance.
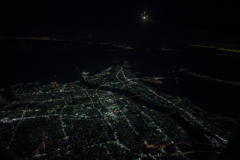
[24, 61]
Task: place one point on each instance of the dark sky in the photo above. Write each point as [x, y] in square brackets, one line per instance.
[75, 17]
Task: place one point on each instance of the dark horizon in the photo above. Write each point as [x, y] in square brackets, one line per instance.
[121, 20]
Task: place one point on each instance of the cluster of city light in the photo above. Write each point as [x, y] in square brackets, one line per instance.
[109, 108]
[187, 114]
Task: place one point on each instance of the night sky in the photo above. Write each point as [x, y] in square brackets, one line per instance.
[168, 19]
